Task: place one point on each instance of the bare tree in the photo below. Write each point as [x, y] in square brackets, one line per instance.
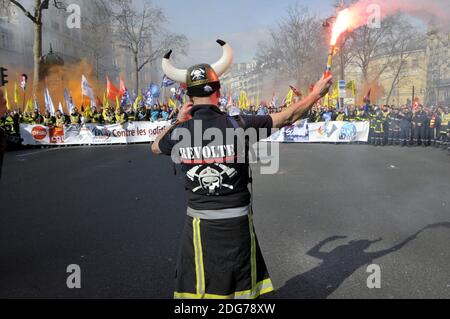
[36, 16]
[369, 43]
[100, 38]
[405, 40]
[4, 8]
[297, 47]
[142, 33]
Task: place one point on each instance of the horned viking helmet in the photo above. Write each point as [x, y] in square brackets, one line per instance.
[201, 79]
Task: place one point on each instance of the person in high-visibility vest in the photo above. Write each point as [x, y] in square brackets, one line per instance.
[443, 138]
[380, 120]
[75, 117]
[121, 116]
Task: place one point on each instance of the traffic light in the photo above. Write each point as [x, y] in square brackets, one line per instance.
[3, 77]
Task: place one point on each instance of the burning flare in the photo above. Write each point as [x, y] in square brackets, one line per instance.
[342, 24]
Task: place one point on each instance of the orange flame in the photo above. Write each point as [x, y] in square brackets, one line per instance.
[342, 24]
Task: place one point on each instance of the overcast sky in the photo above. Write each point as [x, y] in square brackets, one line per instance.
[243, 23]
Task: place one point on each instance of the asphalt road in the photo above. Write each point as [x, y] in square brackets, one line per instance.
[118, 212]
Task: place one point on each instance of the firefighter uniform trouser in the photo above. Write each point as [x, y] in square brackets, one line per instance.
[221, 259]
[419, 134]
[394, 137]
[405, 137]
[433, 135]
[443, 137]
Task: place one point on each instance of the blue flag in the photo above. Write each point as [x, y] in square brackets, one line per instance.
[166, 82]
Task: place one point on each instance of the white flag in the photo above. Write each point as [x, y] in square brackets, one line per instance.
[48, 102]
[60, 108]
[87, 90]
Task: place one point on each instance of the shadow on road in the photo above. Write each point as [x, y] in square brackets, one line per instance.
[337, 265]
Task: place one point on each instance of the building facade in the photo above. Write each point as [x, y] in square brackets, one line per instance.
[72, 44]
[438, 68]
[401, 76]
[244, 77]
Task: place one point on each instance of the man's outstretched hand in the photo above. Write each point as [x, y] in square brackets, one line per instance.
[322, 87]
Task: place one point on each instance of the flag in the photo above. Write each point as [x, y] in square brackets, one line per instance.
[179, 93]
[166, 82]
[326, 100]
[111, 91]
[230, 101]
[352, 87]
[49, 106]
[117, 103]
[68, 100]
[137, 103]
[335, 94]
[367, 97]
[23, 81]
[60, 108]
[105, 102]
[172, 104]
[289, 98]
[16, 94]
[126, 100]
[296, 92]
[29, 106]
[154, 89]
[86, 90]
[122, 87]
[8, 106]
[243, 100]
[149, 97]
[274, 100]
[35, 105]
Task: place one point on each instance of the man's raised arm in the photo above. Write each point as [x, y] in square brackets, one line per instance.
[297, 110]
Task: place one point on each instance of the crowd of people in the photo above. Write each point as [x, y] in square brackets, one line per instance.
[12, 119]
[389, 125]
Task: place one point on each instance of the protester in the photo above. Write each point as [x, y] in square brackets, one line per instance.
[220, 216]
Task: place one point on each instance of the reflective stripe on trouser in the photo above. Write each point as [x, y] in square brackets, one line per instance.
[221, 259]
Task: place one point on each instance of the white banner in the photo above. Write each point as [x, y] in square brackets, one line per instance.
[323, 132]
[92, 134]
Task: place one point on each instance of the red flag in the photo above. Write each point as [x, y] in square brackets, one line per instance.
[112, 92]
[367, 97]
[297, 93]
[122, 87]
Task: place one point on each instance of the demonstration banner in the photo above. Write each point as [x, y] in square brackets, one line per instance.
[323, 132]
[92, 134]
